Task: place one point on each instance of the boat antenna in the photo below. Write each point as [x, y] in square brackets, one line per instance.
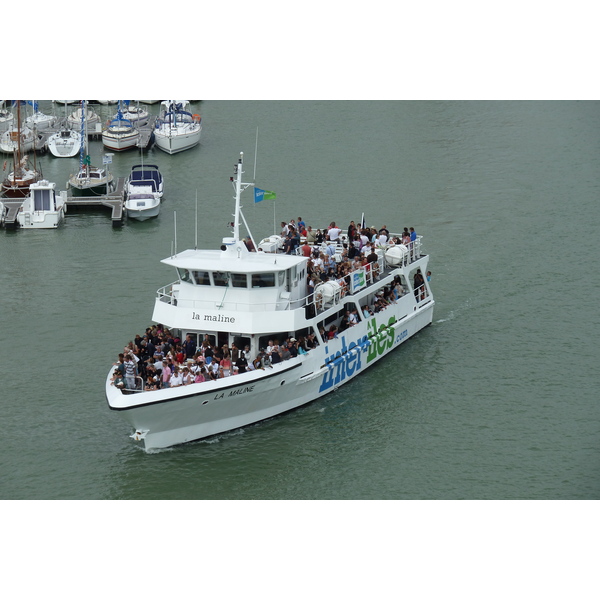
[175, 224]
[255, 155]
[196, 246]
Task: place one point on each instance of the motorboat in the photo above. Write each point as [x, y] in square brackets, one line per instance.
[142, 206]
[65, 143]
[247, 301]
[42, 208]
[144, 190]
[177, 129]
[145, 179]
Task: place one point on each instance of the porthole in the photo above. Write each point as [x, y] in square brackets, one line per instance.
[283, 381]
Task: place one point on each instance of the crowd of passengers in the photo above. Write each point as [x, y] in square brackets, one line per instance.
[159, 359]
[354, 242]
[359, 249]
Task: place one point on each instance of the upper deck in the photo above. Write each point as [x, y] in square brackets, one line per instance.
[264, 291]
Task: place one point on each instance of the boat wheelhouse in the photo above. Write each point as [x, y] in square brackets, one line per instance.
[43, 208]
[238, 298]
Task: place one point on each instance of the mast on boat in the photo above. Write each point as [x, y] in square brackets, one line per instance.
[239, 187]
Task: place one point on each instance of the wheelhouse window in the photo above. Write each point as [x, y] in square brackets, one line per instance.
[220, 278]
[202, 277]
[239, 280]
[263, 280]
[184, 275]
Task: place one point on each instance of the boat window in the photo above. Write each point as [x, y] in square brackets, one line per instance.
[281, 278]
[220, 278]
[201, 277]
[239, 280]
[184, 275]
[263, 280]
[41, 200]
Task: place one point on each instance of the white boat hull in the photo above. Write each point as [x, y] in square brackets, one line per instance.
[173, 141]
[65, 144]
[120, 142]
[173, 416]
[48, 213]
[142, 209]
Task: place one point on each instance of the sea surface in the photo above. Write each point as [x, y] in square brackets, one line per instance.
[498, 399]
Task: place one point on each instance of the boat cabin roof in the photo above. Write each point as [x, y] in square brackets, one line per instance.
[233, 261]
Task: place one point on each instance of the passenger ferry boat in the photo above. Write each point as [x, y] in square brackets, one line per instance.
[236, 296]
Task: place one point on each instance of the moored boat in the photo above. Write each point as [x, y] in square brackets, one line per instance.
[65, 143]
[239, 299]
[144, 190]
[177, 129]
[89, 180]
[42, 208]
[38, 120]
[120, 135]
[135, 114]
[16, 183]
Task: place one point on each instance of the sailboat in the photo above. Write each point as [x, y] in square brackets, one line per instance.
[16, 183]
[89, 180]
[121, 133]
[136, 114]
[66, 142]
[177, 129]
[6, 117]
[21, 135]
[38, 120]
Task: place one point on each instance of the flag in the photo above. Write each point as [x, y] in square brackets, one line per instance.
[260, 195]
[362, 221]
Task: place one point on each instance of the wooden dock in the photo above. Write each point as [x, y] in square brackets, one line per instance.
[115, 200]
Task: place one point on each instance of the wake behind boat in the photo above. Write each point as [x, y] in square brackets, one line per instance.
[251, 336]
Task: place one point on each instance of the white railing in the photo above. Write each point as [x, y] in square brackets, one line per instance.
[371, 274]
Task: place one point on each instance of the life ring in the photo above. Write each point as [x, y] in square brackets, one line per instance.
[197, 118]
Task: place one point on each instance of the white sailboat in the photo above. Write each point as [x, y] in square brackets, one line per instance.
[121, 133]
[89, 180]
[38, 120]
[16, 183]
[177, 129]
[66, 142]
